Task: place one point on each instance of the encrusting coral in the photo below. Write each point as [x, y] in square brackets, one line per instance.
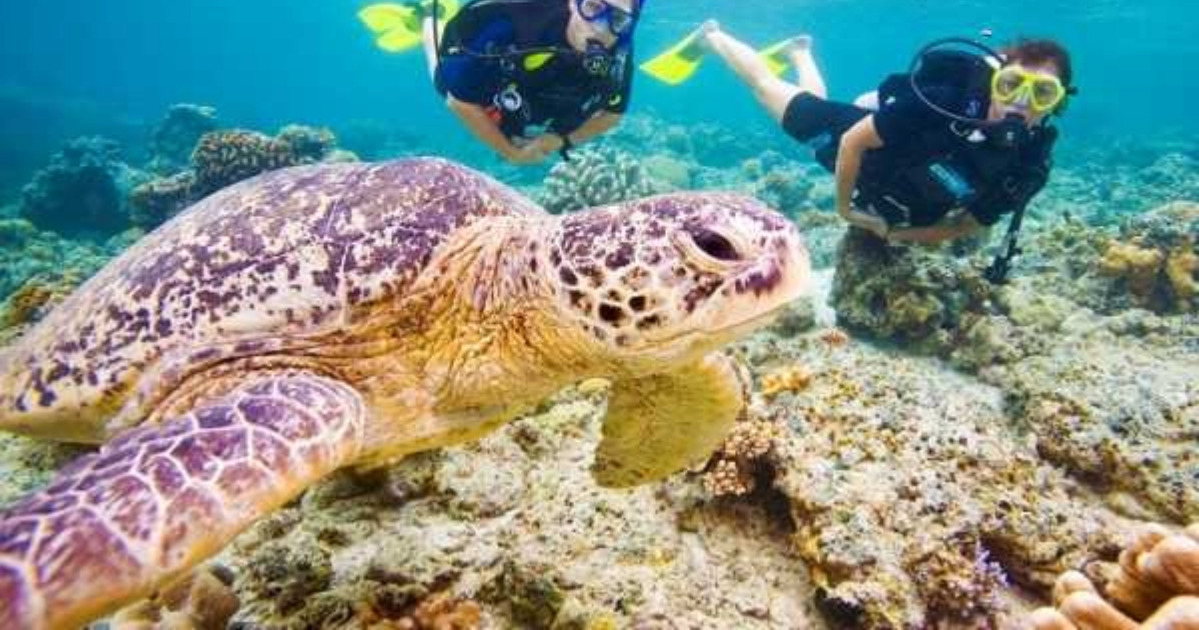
[792, 378]
[1154, 586]
[1157, 258]
[202, 601]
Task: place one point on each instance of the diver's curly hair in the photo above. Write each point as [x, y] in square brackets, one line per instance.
[1040, 51]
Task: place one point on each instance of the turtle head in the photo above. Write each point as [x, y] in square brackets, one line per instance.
[673, 276]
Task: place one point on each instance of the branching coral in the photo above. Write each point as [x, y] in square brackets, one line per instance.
[594, 177]
[1156, 583]
[1139, 265]
[733, 468]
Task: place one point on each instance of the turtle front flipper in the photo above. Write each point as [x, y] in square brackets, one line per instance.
[119, 523]
[660, 424]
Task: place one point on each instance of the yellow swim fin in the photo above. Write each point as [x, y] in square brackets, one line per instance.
[678, 63]
[776, 57]
[398, 27]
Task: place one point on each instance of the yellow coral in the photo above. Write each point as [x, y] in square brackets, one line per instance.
[1182, 266]
[1140, 265]
[793, 378]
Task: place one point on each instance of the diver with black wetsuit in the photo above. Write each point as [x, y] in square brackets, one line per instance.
[937, 153]
[531, 77]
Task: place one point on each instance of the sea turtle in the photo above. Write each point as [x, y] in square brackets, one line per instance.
[349, 314]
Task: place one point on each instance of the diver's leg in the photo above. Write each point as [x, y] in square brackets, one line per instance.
[809, 78]
[430, 46]
[773, 93]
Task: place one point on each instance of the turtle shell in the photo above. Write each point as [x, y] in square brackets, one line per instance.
[283, 254]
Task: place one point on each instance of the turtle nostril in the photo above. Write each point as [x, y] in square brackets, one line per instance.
[715, 245]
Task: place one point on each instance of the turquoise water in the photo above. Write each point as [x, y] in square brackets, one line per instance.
[267, 62]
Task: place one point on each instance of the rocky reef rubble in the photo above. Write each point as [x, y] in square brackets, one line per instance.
[915, 502]
[514, 530]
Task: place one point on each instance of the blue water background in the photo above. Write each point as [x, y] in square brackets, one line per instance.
[70, 67]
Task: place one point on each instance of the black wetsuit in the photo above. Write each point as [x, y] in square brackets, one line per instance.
[512, 58]
[927, 165]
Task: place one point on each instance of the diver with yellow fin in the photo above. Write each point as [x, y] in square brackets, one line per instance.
[527, 77]
[936, 153]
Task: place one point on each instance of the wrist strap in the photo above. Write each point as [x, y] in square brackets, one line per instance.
[567, 145]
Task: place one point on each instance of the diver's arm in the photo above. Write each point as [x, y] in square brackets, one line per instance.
[958, 227]
[476, 120]
[854, 143]
[599, 123]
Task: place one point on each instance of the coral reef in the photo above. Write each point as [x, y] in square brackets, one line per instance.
[782, 184]
[1154, 586]
[203, 600]
[912, 294]
[1120, 411]
[792, 378]
[81, 193]
[176, 135]
[913, 503]
[160, 199]
[47, 263]
[1156, 258]
[33, 300]
[735, 467]
[516, 525]
[594, 177]
[222, 158]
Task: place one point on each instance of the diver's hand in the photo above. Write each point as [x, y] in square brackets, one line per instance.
[529, 153]
[535, 150]
[868, 221]
[549, 142]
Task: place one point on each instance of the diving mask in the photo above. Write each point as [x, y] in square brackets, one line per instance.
[1043, 92]
[619, 21]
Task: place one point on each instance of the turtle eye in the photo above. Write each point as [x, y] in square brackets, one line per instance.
[715, 245]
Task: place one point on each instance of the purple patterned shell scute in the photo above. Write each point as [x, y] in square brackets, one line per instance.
[291, 250]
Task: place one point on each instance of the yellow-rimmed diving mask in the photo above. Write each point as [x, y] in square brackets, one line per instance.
[1043, 92]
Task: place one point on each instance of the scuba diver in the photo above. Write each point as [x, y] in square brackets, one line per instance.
[934, 154]
[527, 77]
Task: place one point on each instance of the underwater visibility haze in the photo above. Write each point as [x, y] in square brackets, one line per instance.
[708, 404]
